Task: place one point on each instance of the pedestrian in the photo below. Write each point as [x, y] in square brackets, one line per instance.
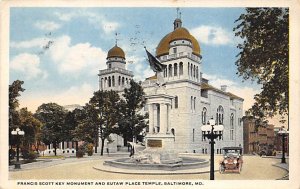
[107, 151]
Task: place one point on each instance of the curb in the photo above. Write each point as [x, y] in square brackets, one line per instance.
[285, 177]
[131, 172]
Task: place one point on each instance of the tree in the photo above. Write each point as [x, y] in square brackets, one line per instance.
[32, 128]
[86, 126]
[98, 118]
[132, 122]
[52, 117]
[14, 119]
[264, 57]
[106, 112]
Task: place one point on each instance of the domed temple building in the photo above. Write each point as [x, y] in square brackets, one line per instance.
[194, 100]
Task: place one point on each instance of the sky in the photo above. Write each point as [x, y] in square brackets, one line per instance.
[58, 52]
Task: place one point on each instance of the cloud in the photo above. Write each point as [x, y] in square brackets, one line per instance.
[29, 65]
[109, 27]
[211, 35]
[36, 42]
[141, 70]
[65, 16]
[47, 25]
[75, 95]
[247, 93]
[97, 20]
[76, 59]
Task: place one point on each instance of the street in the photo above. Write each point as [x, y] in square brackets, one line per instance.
[254, 168]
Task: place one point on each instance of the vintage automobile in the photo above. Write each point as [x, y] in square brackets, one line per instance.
[232, 160]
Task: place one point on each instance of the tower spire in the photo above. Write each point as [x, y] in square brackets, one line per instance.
[177, 23]
[116, 38]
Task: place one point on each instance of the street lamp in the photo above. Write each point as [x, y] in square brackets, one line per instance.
[283, 132]
[211, 132]
[18, 133]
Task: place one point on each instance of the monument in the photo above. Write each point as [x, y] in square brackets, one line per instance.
[159, 141]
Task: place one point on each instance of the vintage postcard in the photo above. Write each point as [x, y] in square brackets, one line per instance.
[149, 94]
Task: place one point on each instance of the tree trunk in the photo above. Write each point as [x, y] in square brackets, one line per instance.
[102, 146]
[96, 144]
[76, 145]
[125, 140]
[54, 145]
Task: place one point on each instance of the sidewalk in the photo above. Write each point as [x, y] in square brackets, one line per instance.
[284, 166]
[41, 163]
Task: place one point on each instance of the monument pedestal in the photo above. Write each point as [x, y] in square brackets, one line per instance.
[160, 147]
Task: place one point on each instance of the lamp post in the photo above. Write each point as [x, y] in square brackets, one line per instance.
[211, 132]
[18, 133]
[283, 132]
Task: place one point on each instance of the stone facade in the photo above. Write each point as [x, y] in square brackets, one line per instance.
[194, 101]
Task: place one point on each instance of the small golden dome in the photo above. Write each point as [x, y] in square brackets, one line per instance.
[180, 33]
[116, 52]
[177, 34]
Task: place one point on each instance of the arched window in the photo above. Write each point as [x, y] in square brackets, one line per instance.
[180, 68]
[188, 68]
[170, 70]
[165, 72]
[109, 81]
[113, 81]
[123, 81]
[204, 111]
[173, 132]
[197, 72]
[192, 99]
[193, 135]
[220, 115]
[126, 80]
[194, 103]
[119, 82]
[105, 82]
[231, 120]
[102, 83]
[175, 69]
[231, 126]
[176, 102]
[192, 70]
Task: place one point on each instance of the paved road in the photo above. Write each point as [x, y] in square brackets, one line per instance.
[254, 168]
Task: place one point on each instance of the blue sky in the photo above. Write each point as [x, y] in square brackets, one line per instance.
[66, 72]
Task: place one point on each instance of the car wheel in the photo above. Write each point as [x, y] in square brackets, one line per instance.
[221, 169]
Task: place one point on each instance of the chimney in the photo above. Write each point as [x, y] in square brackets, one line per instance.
[223, 88]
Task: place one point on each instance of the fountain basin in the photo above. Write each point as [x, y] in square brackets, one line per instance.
[181, 164]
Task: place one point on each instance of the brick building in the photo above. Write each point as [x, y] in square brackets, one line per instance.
[257, 139]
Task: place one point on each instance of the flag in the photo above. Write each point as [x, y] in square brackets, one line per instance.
[155, 64]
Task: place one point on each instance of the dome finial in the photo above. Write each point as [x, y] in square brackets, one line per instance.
[116, 38]
[177, 22]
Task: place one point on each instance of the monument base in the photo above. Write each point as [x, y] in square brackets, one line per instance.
[159, 150]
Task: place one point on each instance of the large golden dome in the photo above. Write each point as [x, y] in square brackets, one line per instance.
[116, 52]
[177, 34]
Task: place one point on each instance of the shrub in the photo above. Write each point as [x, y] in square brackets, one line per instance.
[80, 152]
[32, 155]
[29, 155]
[89, 149]
[25, 153]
